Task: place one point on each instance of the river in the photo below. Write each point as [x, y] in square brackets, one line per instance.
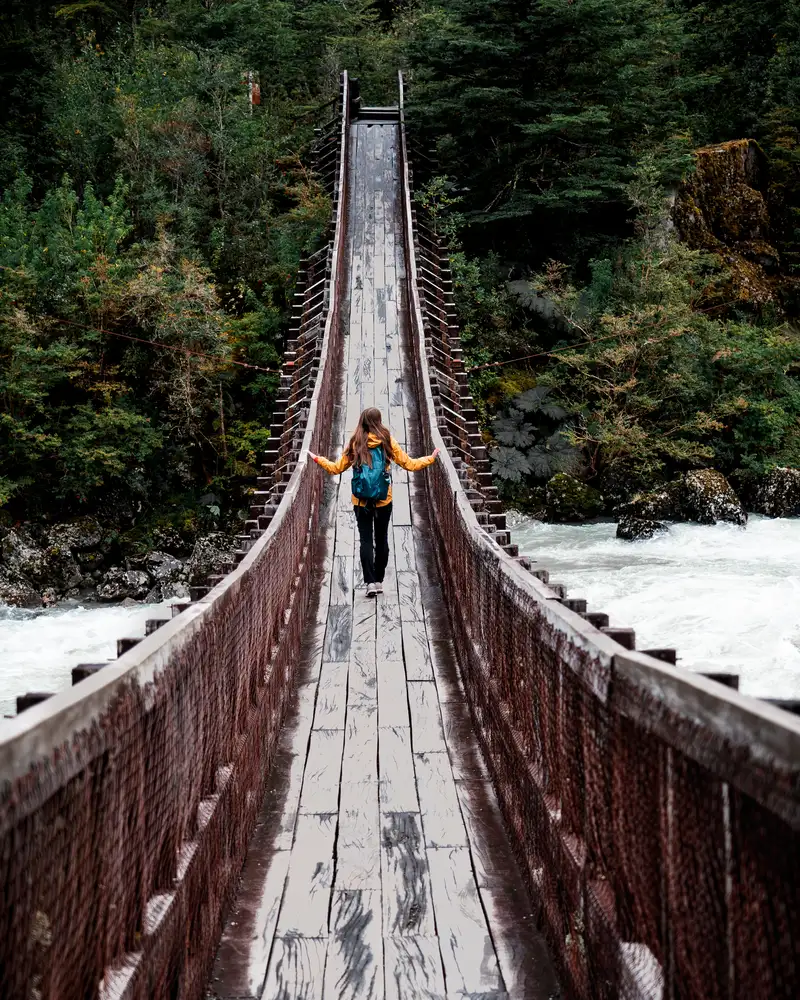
[38, 649]
[727, 598]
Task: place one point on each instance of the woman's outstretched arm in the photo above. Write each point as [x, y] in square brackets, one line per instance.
[411, 464]
[334, 468]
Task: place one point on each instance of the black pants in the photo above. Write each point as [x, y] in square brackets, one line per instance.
[374, 553]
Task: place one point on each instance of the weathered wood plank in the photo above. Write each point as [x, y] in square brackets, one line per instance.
[342, 580]
[492, 859]
[365, 615]
[390, 636]
[398, 781]
[358, 845]
[332, 696]
[338, 634]
[404, 557]
[354, 969]
[360, 760]
[416, 652]
[407, 901]
[426, 721]
[243, 956]
[323, 770]
[306, 901]
[414, 968]
[401, 504]
[408, 588]
[441, 813]
[296, 969]
[363, 678]
[470, 962]
[392, 694]
[521, 950]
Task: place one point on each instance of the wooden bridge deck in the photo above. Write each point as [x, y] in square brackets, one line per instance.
[380, 867]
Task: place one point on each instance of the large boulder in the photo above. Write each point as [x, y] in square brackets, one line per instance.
[569, 501]
[708, 498]
[663, 504]
[77, 536]
[119, 584]
[210, 554]
[704, 496]
[16, 590]
[43, 566]
[634, 529]
[169, 575]
[778, 494]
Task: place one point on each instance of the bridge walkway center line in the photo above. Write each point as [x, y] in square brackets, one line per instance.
[379, 868]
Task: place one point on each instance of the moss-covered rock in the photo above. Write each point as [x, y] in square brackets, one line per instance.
[778, 493]
[708, 498]
[569, 501]
[634, 529]
[723, 208]
[663, 504]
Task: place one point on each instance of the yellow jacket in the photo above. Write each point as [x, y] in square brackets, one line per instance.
[398, 456]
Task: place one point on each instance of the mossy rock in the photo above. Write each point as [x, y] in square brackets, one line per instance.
[569, 501]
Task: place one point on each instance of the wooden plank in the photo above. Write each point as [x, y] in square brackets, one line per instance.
[414, 968]
[358, 845]
[398, 781]
[492, 860]
[345, 521]
[282, 801]
[441, 813]
[338, 634]
[243, 955]
[363, 677]
[323, 769]
[401, 504]
[342, 580]
[354, 969]
[470, 962]
[525, 963]
[365, 615]
[404, 556]
[416, 652]
[426, 722]
[306, 901]
[392, 694]
[390, 636]
[407, 900]
[360, 760]
[409, 591]
[332, 696]
[296, 969]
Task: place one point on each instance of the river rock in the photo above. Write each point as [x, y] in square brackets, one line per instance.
[568, 500]
[77, 536]
[210, 553]
[662, 504]
[164, 568]
[119, 583]
[708, 498]
[635, 529]
[778, 494]
[16, 590]
[51, 566]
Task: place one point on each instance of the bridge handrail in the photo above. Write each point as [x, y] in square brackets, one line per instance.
[126, 802]
[643, 800]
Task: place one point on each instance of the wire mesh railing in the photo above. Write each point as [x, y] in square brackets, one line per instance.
[127, 802]
[655, 813]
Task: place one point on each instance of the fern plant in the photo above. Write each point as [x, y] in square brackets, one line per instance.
[532, 438]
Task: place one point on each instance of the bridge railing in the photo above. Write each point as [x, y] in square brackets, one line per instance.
[655, 813]
[127, 802]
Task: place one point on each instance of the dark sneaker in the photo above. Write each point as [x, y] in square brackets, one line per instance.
[378, 588]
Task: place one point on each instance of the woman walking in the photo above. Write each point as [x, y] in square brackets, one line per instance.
[370, 452]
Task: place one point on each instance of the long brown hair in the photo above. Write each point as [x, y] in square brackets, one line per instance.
[369, 422]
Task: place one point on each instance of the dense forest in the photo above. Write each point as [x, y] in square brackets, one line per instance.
[613, 330]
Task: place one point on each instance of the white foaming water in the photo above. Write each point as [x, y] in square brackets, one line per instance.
[38, 649]
[727, 598]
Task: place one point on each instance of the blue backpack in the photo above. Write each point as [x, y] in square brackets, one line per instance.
[372, 482]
